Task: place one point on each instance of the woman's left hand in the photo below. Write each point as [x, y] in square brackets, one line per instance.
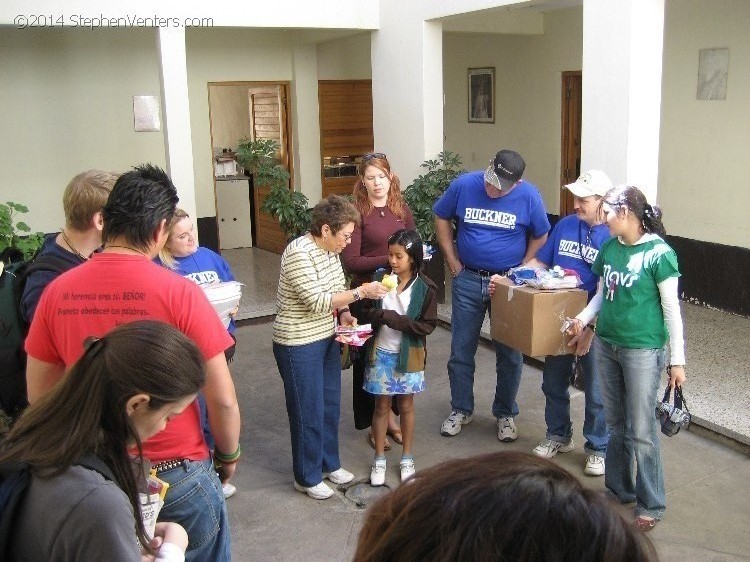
[582, 342]
[676, 375]
[346, 319]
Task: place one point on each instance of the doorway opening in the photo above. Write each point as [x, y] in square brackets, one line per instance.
[570, 161]
[253, 110]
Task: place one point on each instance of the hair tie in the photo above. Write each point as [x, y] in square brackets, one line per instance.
[92, 345]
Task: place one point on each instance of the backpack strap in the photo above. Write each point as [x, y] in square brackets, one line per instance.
[15, 478]
[48, 262]
[92, 462]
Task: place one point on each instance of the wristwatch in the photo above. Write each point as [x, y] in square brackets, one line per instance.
[356, 295]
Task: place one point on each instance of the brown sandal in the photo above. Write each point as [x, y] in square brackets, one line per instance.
[644, 524]
[371, 439]
[396, 435]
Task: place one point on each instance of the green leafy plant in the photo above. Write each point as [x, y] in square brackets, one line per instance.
[15, 233]
[288, 206]
[428, 188]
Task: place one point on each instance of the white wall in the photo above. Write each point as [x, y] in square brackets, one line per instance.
[528, 82]
[226, 55]
[345, 59]
[407, 67]
[66, 105]
[229, 13]
[231, 118]
[704, 164]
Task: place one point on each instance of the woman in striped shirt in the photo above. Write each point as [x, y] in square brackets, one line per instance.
[311, 290]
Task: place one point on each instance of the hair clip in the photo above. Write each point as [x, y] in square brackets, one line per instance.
[408, 245]
[93, 344]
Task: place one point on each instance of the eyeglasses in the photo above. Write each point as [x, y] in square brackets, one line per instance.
[346, 236]
[373, 156]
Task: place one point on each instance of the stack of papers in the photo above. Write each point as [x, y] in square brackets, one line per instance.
[354, 335]
[225, 298]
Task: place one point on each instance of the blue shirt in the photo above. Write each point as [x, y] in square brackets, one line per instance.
[204, 267]
[573, 244]
[492, 232]
[38, 281]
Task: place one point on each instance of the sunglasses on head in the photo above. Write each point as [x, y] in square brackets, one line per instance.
[373, 156]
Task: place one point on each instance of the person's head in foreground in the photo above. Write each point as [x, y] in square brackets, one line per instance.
[504, 506]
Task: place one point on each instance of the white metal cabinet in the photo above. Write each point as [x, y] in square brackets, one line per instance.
[233, 213]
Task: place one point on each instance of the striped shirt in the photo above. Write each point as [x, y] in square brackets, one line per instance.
[308, 280]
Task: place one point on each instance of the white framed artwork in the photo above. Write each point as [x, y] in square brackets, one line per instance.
[146, 118]
[713, 70]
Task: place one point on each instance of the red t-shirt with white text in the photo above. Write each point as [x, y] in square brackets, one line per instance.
[113, 289]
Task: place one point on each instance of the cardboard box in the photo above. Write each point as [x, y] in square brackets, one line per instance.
[529, 320]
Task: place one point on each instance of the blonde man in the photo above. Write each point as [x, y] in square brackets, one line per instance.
[83, 201]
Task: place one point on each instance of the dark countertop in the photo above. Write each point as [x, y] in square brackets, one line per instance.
[231, 178]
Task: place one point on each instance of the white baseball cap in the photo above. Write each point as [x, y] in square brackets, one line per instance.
[593, 182]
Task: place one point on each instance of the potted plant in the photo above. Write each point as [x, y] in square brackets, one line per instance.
[288, 206]
[16, 242]
[421, 196]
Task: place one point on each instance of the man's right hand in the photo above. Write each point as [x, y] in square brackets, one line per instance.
[455, 266]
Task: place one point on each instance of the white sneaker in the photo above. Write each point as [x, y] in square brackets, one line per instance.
[407, 469]
[452, 424]
[506, 430]
[318, 492]
[340, 476]
[594, 465]
[548, 448]
[229, 490]
[377, 475]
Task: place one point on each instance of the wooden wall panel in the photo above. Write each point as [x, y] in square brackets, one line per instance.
[345, 126]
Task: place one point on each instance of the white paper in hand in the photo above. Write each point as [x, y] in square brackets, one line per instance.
[224, 297]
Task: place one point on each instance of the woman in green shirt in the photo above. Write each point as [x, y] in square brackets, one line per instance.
[638, 311]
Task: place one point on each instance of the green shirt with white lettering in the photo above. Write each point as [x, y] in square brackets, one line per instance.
[631, 315]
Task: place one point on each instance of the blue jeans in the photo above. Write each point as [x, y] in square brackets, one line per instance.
[312, 386]
[555, 383]
[195, 501]
[207, 435]
[630, 386]
[470, 301]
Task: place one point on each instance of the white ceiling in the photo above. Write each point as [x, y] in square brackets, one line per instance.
[524, 17]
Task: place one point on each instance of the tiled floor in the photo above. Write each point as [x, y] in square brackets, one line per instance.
[259, 271]
[718, 354]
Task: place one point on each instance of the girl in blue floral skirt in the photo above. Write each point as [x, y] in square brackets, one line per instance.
[396, 362]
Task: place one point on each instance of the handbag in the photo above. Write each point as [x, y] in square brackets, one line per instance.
[673, 417]
[346, 356]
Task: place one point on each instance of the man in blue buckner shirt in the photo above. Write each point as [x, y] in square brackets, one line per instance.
[574, 244]
[500, 223]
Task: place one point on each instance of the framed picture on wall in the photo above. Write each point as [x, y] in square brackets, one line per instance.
[482, 95]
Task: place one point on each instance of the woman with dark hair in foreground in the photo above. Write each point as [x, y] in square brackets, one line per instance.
[122, 391]
[504, 506]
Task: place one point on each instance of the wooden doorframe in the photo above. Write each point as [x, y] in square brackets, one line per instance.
[570, 142]
[266, 231]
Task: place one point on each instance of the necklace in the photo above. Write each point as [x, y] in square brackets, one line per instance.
[73, 248]
[126, 248]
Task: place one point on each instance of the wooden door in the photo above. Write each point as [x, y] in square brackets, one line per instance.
[268, 119]
[345, 131]
[570, 167]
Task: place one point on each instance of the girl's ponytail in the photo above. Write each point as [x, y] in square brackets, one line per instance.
[651, 220]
